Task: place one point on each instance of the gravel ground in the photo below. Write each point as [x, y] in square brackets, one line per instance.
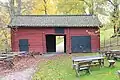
[22, 75]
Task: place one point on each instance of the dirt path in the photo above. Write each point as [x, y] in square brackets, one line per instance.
[23, 69]
[22, 75]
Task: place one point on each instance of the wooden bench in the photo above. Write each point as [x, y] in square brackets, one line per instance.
[116, 57]
[95, 63]
[82, 66]
[118, 73]
[8, 59]
[74, 65]
[9, 63]
[111, 63]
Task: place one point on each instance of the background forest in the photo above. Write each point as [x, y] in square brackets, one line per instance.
[108, 12]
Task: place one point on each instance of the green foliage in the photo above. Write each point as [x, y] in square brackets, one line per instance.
[4, 32]
[44, 7]
[105, 35]
[59, 39]
[70, 7]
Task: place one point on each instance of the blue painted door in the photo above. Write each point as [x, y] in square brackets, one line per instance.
[81, 43]
[23, 45]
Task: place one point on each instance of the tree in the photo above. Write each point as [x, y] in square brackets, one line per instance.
[4, 31]
[7, 12]
[115, 14]
[100, 7]
[70, 7]
[44, 7]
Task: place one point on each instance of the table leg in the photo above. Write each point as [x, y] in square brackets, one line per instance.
[73, 61]
[111, 64]
[102, 62]
[99, 60]
[108, 56]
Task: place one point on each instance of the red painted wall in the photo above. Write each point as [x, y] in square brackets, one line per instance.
[37, 40]
[35, 36]
[95, 40]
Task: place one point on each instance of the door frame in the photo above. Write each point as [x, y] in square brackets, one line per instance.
[55, 40]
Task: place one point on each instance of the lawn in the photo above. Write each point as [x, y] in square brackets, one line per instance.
[60, 68]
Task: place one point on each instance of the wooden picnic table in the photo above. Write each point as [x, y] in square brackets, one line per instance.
[2, 58]
[8, 60]
[9, 57]
[22, 53]
[89, 58]
[115, 50]
[110, 54]
[19, 52]
[8, 54]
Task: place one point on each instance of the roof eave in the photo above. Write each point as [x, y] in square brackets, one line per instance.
[22, 26]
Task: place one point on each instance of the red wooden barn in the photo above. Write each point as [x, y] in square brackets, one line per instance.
[37, 33]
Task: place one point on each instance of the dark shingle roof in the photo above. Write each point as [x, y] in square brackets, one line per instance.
[55, 21]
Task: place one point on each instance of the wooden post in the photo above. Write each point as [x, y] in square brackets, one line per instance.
[117, 40]
[104, 41]
[68, 44]
[43, 43]
[110, 42]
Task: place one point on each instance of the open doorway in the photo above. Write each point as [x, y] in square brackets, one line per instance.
[55, 43]
[60, 44]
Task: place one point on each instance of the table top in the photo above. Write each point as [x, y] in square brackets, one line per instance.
[2, 57]
[112, 51]
[18, 52]
[8, 54]
[111, 61]
[86, 58]
[115, 50]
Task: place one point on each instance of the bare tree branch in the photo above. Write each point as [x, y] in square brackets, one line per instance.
[111, 2]
[71, 8]
[45, 6]
[86, 2]
[19, 7]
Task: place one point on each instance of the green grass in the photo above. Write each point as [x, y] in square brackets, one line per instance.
[59, 40]
[60, 68]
